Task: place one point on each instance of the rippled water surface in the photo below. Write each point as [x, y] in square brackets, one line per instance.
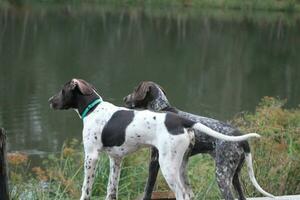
[213, 63]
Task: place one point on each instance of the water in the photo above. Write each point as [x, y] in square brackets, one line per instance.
[213, 63]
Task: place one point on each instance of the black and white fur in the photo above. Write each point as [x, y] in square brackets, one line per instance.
[229, 156]
[119, 131]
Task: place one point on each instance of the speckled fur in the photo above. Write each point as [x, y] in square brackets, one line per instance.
[229, 156]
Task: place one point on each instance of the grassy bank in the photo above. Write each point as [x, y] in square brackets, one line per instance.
[156, 10]
[270, 5]
[266, 5]
[276, 163]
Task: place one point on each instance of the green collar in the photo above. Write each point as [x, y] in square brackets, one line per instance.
[90, 106]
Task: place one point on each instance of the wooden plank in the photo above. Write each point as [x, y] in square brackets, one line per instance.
[163, 196]
[290, 197]
[3, 167]
[170, 196]
[160, 196]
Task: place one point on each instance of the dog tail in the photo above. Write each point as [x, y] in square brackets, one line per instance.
[215, 134]
[248, 158]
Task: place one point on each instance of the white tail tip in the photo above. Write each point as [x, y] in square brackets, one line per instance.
[255, 135]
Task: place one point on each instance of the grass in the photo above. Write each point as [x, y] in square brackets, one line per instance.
[276, 163]
[223, 11]
[266, 5]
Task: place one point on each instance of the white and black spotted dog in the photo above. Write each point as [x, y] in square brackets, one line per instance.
[229, 156]
[119, 131]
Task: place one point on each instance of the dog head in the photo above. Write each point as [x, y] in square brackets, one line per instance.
[71, 94]
[147, 95]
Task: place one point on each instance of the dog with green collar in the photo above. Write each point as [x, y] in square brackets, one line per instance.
[119, 131]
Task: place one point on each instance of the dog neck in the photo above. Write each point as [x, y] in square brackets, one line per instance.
[159, 102]
[158, 105]
[86, 104]
[170, 109]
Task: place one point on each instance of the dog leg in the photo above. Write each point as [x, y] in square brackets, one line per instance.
[114, 175]
[153, 171]
[226, 165]
[184, 176]
[238, 187]
[90, 162]
[224, 182]
[170, 159]
[236, 180]
[171, 172]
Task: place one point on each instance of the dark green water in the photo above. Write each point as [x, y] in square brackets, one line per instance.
[212, 64]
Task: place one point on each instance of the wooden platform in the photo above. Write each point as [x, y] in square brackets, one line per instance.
[163, 196]
[160, 196]
[290, 197]
[170, 196]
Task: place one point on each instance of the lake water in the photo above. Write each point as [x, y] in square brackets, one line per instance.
[213, 63]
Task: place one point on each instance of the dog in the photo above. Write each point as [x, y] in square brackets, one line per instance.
[119, 131]
[229, 156]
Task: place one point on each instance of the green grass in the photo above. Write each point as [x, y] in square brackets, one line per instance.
[258, 12]
[276, 162]
[221, 10]
[267, 5]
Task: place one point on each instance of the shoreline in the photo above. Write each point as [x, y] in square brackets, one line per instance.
[287, 6]
[134, 11]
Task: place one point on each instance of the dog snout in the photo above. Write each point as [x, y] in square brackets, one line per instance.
[125, 98]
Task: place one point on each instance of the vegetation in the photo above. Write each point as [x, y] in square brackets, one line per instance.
[180, 10]
[276, 163]
[284, 5]
[271, 5]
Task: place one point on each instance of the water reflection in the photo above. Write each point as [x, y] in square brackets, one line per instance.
[212, 63]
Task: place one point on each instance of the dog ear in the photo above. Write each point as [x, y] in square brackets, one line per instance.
[142, 90]
[84, 87]
[162, 89]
